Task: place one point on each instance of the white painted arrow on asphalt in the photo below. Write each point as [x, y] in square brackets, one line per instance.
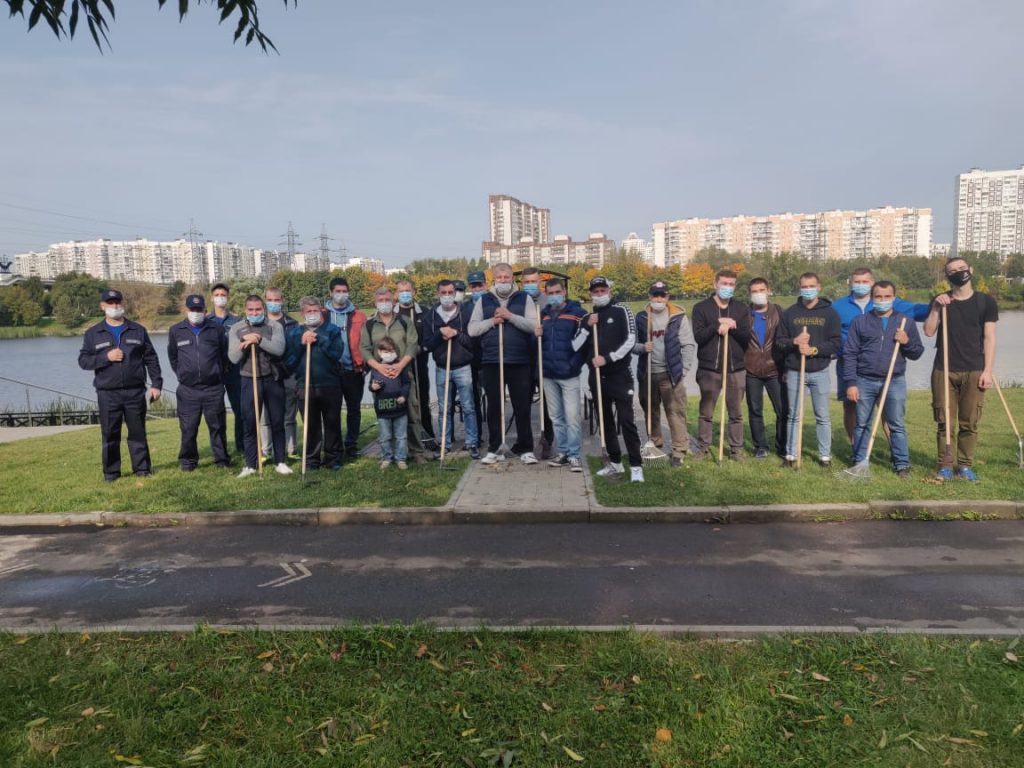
[292, 574]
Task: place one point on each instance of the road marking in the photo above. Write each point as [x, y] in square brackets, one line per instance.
[290, 577]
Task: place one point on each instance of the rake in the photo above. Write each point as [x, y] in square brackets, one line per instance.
[1013, 423]
[862, 469]
[305, 415]
[605, 458]
[800, 409]
[725, 396]
[256, 408]
[650, 453]
[503, 449]
[947, 455]
[444, 411]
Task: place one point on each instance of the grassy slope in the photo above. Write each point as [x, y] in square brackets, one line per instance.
[702, 483]
[63, 474]
[405, 697]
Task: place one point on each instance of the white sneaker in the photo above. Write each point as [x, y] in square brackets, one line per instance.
[492, 458]
[611, 470]
[283, 469]
[385, 463]
[575, 465]
[246, 471]
[636, 474]
[528, 458]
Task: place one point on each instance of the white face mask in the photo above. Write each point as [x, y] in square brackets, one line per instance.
[659, 306]
[602, 301]
[759, 299]
[114, 313]
[385, 307]
[196, 318]
[340, 298]
[388, 357]
[460, 296]
[220, 301]
[447, 300]
[313, 319]
[503, 289]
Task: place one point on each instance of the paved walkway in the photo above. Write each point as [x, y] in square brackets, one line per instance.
[11, 434]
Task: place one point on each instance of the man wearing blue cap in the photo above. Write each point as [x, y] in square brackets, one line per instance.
[198, 352]
[120, 354]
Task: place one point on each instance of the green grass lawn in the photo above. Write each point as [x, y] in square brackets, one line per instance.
[704, 483]
[415, 697]
[63, 473]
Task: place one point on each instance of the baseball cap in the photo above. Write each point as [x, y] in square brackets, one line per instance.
[111, 296]
[599, 281]
[195, 302]
[460, 285]
[476, 277]
[658, 288]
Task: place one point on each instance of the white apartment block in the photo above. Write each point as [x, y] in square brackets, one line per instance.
[163, 263]
[512, 220]
[365, 264]
[633, 243]
[563, 250]
[826, 235]
[990, 211]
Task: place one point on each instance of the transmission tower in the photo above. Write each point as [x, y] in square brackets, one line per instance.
[291, 242]
[325, 250]
[194, 236]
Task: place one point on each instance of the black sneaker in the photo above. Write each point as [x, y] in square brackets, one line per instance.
[676, 461]
[351, 452]
[474, 452]
[762, 453]
[903, 474]
[560, 460]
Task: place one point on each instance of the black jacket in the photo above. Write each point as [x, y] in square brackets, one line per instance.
[139, 358]
[616, 337]
[198, 360]
[704, 318]
[825, 329]
[463, 347]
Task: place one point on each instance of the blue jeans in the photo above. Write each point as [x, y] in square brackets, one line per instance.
[462, 382]
[563, 400]
[870, 390]
[394, 440]
[819, 383]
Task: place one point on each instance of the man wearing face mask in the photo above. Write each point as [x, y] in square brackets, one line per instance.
[764, 370]
[446, 322]
[529, 278]
[220, 296]
[323, 343]
[274, 299]
[809, 329]
[120, 354]
[477, 288]
[663, 331]
[198, 352]
[402, 331]
[517, 312]
[868, 351]
[269, 341]
[411, 310]
[856, 304]
[716, 318]
[564, 348]
[972, 318]
[341, 312]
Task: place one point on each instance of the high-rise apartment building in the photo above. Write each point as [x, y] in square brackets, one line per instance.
[563, 250]
[990, 211]
[366, 264]
[512, 220]
[826, 235]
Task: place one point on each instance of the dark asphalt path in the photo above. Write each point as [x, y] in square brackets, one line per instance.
[899, 575]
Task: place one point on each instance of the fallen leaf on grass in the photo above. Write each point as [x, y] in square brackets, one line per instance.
[1011, 656]
[88, 712]
[663, 735]
[268, 667]
[421, 650]
[1017, 730]
[820, 677]
[438, 665]
[266, 655]
[576, 757]
[884, 740]
[600, 707]
[546, 707]
[21, 640]
[468, 732]
[848, 721]
[962, 742]
[37, 722]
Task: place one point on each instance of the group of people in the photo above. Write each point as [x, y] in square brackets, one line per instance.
[515, 339]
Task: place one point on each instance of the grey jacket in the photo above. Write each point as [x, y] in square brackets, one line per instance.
[269, 351]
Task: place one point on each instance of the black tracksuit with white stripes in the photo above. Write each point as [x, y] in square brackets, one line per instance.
[616, 335]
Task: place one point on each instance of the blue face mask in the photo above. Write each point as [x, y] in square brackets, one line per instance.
[883, 306]
[273, 307]
[532, 290]
[556, 300]
[405, 297]
[860, 289]
[476, 295]
[808, 294]
[725, 292]
[256, 319]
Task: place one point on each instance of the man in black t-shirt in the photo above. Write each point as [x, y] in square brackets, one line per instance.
[972, 318]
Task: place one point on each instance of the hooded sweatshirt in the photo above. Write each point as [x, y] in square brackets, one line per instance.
[823, 325]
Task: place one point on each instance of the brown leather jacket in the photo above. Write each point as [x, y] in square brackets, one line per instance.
[764, 362]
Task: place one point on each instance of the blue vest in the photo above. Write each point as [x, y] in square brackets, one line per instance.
[673, 352]
[517, 344]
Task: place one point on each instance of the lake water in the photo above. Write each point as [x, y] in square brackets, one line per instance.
[53, 363]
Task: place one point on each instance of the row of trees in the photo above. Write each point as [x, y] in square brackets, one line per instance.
[74, 297]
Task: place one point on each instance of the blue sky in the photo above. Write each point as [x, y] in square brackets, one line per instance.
[391, 122]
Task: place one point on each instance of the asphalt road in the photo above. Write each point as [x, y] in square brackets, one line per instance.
[964, 576]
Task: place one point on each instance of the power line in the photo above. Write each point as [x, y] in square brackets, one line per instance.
[83, 218]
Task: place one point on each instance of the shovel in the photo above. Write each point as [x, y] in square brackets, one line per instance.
[503, 449]
[444, 411]
[862, 469]
[725, 396]
[305, 415]
[1013, 423]
[800, 409]
[947, 456]
[256, 407]
[600, 405]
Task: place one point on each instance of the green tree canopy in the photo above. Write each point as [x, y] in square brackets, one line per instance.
[75, 297]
